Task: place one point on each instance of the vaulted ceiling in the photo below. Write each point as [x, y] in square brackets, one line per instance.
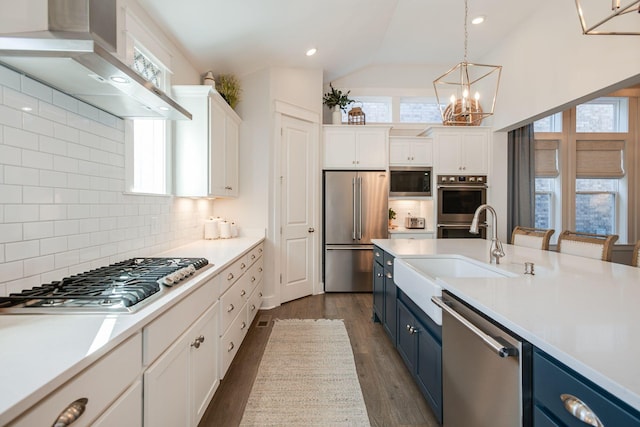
[242, 36]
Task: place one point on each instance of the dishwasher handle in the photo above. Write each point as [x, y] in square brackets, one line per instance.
[499, 348]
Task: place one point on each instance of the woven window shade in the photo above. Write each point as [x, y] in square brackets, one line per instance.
[546, 160]
[599, 159]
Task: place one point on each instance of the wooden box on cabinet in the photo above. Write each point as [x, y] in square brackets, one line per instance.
[460, 150]
[356, 147]
[206, 155]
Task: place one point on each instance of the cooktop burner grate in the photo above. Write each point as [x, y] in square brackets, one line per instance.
[114, 288]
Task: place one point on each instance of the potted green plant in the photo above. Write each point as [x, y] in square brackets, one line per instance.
[336, 100]
[228, 86]
[392, 216]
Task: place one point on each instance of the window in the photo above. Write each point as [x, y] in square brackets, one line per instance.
[544, 201]
[552, 123]
[608, 114]
[376, 109]
[149, 139]
[419, 110]
[596, 205]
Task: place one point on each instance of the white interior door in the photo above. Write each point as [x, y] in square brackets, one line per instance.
[298, 240]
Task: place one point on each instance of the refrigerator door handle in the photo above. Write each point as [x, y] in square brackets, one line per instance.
[359, 208]
[353, 190]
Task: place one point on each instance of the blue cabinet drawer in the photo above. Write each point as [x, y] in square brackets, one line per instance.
[551, 379]
[378, 255]
[388, 262]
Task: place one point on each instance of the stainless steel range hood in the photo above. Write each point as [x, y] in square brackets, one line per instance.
[73, 55]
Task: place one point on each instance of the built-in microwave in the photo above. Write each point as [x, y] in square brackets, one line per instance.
[409, 181]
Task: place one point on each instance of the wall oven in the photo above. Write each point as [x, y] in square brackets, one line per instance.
[409, 181]
[458, 198]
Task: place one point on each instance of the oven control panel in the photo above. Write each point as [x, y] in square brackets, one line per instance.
[462, 179]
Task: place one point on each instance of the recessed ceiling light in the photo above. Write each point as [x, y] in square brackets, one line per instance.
[119, 79]
[312, 51]
[27, 109]
[478, 20]
[163, 108]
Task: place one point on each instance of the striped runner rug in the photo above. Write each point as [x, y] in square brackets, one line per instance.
[307, 377]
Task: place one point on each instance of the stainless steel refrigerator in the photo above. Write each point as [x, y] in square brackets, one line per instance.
[355, 211]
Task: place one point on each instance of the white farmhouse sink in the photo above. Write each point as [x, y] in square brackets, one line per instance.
[421, 277]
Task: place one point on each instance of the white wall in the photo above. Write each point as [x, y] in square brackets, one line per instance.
[62, 177]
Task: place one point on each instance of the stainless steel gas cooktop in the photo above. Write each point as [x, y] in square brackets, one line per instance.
[118, 288]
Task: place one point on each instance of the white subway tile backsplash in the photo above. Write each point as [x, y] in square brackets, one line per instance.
[39, 265]
[53, 178]
[10, 193]
[53, 275]
[65, 101]
[11, 270]
[89, 139]
[65, 259]
[88, 196]
[1, 255]
[89, 111]
[21, 250]
[10, 233]
[19, 101]
[66, 228]
[88, 225]
[37, 124]
[78, 151]
[37, 230]
[21, 176]
[53, 212]
[10, 155]
[52, 112]
[37, 89]
[79, 122]
[79, 211]
[20, 213]
[90, 254]
[35, 195]
[10, 116]
[65, 164]
[36, 159]
[52, 145]
[79, 241]
[109, 119]
[27, 282]
[53, 245]
[65, 196]
[20, 138]
[9, 78]
[65, 132]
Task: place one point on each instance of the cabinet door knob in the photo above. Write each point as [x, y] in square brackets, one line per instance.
[260, 294]
[311, 230]
[260, 270]
[243, 293]
[253, 307]
[389, 276]
[228, 187]
[243, 266]
[253, 256]
[230, 276]
[231, 346]
[195, 343]
[230, 308]
[253, 279]
[244, 325]
[580, 410]
[71, 413]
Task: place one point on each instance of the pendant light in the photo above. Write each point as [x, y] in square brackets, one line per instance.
[621, 18]
[467, 93]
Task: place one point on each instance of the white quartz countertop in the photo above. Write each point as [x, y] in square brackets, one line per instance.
[403, 230]
[581, 311]
[38, 353]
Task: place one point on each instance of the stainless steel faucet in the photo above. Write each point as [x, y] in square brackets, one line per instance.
[495, 251]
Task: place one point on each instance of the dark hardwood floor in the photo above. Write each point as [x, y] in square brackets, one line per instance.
[391, 396]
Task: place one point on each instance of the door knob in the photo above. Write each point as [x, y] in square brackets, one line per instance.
[311, 229]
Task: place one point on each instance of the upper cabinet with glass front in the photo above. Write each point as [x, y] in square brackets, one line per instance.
[206, 155]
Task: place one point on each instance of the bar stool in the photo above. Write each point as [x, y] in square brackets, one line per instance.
[536, 238]
[635, 259]
[596, 246]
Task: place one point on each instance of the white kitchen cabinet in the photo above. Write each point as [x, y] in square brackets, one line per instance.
[460, 150]
[126, 411]
[206, 155]
[100, 384]
[180, 384]
[410, 151]
[356, 147]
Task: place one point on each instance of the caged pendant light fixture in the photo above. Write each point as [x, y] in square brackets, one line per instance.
[463, 90]
[620, 18]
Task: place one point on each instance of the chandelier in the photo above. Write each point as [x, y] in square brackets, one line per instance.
[622, 18]
[462, 91]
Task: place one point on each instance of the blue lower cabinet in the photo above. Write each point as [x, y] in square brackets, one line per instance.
[558, 391]
[378, 292]
[384, 292]
[419, 343]
[390, 298]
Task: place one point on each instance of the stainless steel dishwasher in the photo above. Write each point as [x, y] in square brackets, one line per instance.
[486, 371]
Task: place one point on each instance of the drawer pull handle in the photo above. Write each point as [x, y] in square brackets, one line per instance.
[580, 410]
[389, 262]
[260, 270]
[231, 347]
[378, 255]
[379, 275]
[260, 294]
[230, 276]
[260, 250]
[243, 266]
[244, 325]
[412, 330]
[253, 279]
[196, 343]
[243, 293]
[389, 276]
[253, 256]
[253, 307]
[71, 413]
[230, 308]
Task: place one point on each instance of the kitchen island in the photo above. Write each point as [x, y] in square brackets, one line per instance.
[582, 312]
[42, 353]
